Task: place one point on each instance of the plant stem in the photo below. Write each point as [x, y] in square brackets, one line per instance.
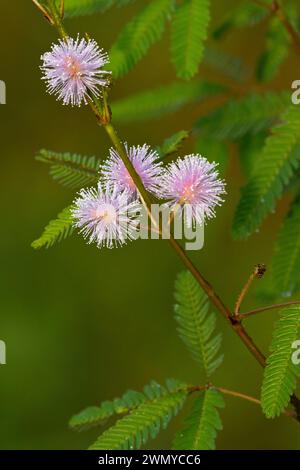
[243, 294]
[57, 19]
[266, 309]
[219, 304]
[215, 299]
[62, 8]
[225, 391]
[112, 133]
[44, 11]
[213, 296]
[239, 395]
[258, 272]
[288, 26]
[289, 413]
[276, 9]
[233, 393]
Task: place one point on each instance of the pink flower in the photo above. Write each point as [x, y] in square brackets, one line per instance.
[145, 162]
[72, 70]
[191, 185]
[106, 216]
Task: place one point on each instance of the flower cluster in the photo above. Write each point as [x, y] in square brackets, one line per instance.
[109, 215]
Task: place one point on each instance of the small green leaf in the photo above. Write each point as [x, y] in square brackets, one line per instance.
[276, 51]
[286, 260]
[164, 100]
[275, 166]
[246, 14]
[71, 170]
[196, 326]
[144, 421]
[279, 380]
[96, 415]
[188, 33]
[203, 424]
[249, 115]
[250, 147]
[57, 230]
[172, 144]
[228, 65]
[75, 8]
[214, 151]
[139, 35]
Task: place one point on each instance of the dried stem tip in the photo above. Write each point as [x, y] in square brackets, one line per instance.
[260, 270]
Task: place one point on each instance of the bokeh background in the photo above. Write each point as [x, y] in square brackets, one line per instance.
[83, 325]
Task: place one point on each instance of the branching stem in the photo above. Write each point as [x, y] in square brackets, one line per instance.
[242, 316]
[257, 273]
[243, 294]
[233, 393]
[276, 9]
[44, 11]
[235, 323]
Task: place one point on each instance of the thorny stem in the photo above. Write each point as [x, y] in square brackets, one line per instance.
[276, 9]
[242, 316]
[213, 296]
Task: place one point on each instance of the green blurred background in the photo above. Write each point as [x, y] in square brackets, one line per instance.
[83, 325]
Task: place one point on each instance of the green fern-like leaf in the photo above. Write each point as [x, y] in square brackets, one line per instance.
[71, 170]
[196, 326]
[96, 415]
[236, 118]
[276, 51]
[203, 424]
[189, 31]
[273, 170]
[172, 144]
[215, 151]
[293, 17]
[88, 7]
[246, 14]
[286, 260]
[163, 100]
[228, 65]
[145, 421]
[279, 380]
[250, 147]
[57, 230]
[139, 34]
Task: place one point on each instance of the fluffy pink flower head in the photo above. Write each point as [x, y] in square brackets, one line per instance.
[105, 216]
[191, 185]
[145, 162]
[73, 70]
